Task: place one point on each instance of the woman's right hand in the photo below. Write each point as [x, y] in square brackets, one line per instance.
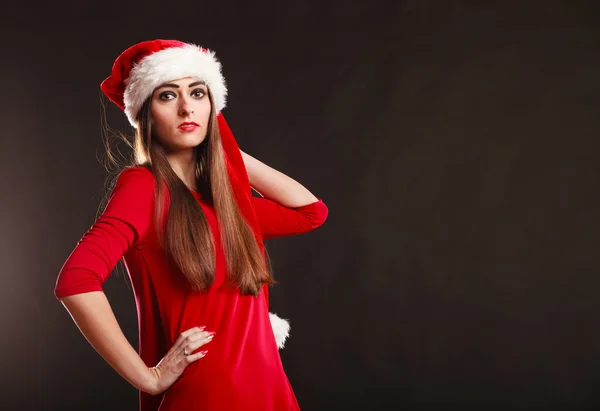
[182, 354]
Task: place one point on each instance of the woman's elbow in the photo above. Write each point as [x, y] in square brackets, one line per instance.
[319, 215]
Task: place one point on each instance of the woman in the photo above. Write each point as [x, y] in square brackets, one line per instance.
[190, 233]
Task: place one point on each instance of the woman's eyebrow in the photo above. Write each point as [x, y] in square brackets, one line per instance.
[166, 85]
[176, 86]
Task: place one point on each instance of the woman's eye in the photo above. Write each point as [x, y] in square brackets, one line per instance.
[198, 93]
[167, 95]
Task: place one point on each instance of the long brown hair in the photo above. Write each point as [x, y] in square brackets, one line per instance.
[186, 234]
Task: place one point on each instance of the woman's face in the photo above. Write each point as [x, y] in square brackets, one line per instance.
[180, 112]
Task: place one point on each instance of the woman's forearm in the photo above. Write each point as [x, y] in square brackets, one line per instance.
[275, 185]
[94, 317]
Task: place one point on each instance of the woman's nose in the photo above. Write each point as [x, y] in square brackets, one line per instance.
[185, 108]
[185, 111]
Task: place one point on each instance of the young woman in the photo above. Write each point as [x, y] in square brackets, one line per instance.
[185, 222]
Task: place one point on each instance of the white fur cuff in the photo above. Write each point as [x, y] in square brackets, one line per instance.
[281, 329]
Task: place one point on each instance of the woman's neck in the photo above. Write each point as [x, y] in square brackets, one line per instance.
[183, 164]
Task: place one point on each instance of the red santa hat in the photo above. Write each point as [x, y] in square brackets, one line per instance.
[144, 66]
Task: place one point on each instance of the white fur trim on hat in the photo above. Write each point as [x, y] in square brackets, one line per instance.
[172, 64]
[281, 329]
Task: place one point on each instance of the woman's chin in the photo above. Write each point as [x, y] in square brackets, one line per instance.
[185, 144]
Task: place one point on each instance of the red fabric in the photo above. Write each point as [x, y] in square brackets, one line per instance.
[114, 85]
[242, 370]
[239, 180]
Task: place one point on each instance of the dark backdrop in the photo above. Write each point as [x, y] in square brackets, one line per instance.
[455, 143]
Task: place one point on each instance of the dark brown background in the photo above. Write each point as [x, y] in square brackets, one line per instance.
[455, 143]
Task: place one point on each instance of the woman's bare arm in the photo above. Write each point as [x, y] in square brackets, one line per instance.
[95, 318]
[275, 185]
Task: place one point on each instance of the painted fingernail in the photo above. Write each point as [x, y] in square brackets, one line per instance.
[211, 332]
[202, 327]
[203, 352]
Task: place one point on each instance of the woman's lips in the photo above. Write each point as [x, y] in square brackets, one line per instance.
[188, 126]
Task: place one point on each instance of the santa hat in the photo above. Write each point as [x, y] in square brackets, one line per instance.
[144, 66]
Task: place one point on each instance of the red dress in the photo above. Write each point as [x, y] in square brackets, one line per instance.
[243, 369]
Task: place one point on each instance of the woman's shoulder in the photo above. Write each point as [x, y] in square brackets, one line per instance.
[132, 198]
[139, 173]
[137, 179]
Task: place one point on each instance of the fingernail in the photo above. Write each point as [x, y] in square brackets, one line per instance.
[202, 327]
[211, 332]
[203, 352]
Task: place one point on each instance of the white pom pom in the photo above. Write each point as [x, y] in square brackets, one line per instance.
[281, 329]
